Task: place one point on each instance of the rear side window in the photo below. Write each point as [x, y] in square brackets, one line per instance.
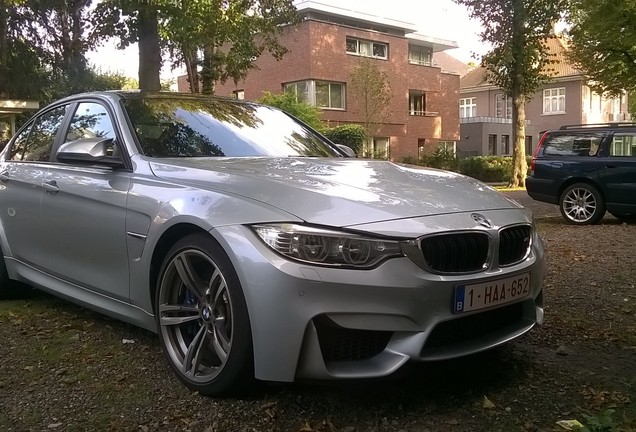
[573, 144]
[623, 145]
[37, 145]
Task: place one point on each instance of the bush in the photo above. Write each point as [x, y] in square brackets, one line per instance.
[351, 135]
[301, 110]
[487, 168]
[439, 158]
[492, 169]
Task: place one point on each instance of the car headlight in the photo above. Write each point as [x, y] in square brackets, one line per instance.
[326, 247]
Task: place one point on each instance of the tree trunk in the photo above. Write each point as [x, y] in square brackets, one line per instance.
[208, 76]
[4, 48]
[191, 62]
[149, 50]
[519, 164]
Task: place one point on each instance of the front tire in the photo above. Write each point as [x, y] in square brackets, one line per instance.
[582, 204]
[202, 317]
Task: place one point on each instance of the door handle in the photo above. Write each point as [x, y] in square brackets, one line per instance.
[4, 176]
[610, 166]
[556, 164]
[50, 186]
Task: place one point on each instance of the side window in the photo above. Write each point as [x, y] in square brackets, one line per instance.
[91, 120]
[573, 144]
[36, 142]
[19, 144]
[623, 145]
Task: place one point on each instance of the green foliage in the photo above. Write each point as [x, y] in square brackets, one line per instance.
[351, 135]
[604, 43]
[301, 110]
[440, 158]
[223, 38]
[487, 168]
[491, 169]
[603, 422]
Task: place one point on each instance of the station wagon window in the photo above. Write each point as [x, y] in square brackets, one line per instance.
[623, 145]
[39, 142]
[91, 120]
[577, 144]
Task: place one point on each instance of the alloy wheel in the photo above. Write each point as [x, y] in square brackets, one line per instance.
[579, 205]
[196, 316]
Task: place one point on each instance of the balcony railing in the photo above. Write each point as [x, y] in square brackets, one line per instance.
[483, 119]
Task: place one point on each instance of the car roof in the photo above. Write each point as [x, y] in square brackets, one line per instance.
[597, 126]
[115, 95]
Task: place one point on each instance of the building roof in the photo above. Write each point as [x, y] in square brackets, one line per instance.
[560, 67]
[450, 64]
[308, 6]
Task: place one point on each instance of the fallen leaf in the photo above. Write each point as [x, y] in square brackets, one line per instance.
[487, 404]
[570, 425]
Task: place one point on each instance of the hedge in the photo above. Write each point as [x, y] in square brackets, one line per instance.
[492, 169]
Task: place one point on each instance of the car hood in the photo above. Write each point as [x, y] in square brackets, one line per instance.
[334, 191]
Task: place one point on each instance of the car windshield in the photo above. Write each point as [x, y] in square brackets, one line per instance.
[182, 127]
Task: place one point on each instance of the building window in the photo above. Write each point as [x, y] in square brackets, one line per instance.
[492, 145]
[322, 94]
[528, 145]
[417, 102]
[380, 148]
[367, 48]
[503, 106]
[420, 55]
[505, 144]
[448, 146]
[239, 94]
[554, 101]
[468, 107]
[299, 89]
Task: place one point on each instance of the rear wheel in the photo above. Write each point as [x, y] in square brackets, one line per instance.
[582, 204]
[202, 317]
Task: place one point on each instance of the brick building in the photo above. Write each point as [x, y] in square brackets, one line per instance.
[327, 46]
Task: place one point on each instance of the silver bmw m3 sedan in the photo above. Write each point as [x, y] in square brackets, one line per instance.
[256, 248]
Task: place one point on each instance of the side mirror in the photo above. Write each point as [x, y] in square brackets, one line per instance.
[347, 150]
[90, 151]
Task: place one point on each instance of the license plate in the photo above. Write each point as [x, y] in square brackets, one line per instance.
[493, 293]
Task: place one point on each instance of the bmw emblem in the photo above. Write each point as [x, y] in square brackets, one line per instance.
[481, 220]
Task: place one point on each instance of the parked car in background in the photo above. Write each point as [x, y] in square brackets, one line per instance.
[254, 247]
[586, 170]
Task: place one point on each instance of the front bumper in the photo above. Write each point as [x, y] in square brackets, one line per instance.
[326, 323]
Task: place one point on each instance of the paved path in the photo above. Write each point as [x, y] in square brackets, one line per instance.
[540, 209]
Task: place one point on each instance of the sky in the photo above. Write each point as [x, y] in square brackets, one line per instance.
[442, 19]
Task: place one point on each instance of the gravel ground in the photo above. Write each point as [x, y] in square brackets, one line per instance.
[66, 368]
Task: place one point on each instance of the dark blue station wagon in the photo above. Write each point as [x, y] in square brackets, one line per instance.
[587, 170]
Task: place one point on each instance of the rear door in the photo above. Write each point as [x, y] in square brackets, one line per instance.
[617, 171]
[22, 174]
[566, 154]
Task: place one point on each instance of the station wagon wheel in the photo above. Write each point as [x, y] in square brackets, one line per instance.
[202, 317]
[582, 204]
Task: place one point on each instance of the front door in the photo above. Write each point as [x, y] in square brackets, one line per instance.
[84, 211]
